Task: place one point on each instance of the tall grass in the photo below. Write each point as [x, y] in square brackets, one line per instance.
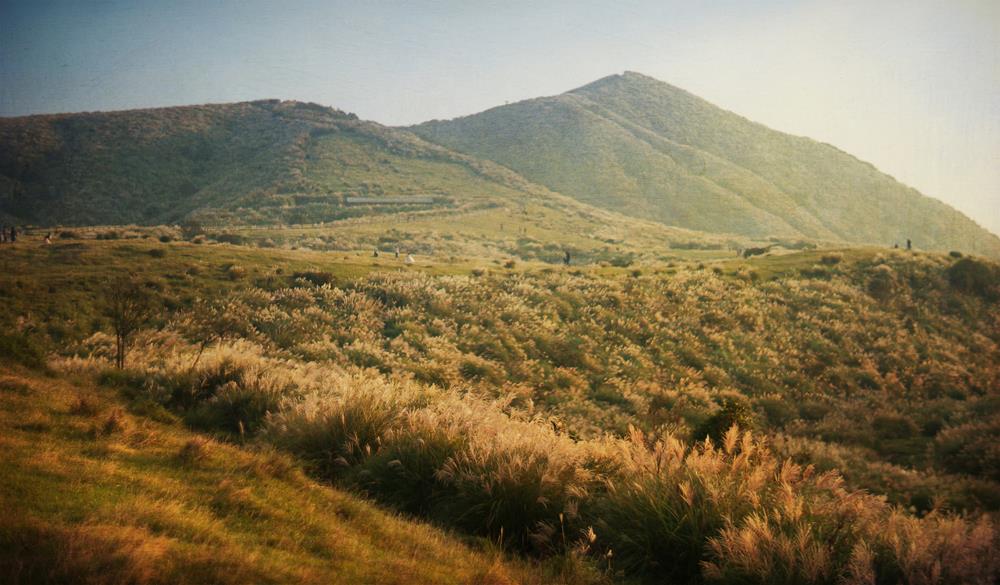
[649, 504]
[543, 411]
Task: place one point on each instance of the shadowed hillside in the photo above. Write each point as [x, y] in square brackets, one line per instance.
[272, 163]
[261, 162]
[644, 148]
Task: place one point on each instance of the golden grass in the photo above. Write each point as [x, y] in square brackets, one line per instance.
[152, 503]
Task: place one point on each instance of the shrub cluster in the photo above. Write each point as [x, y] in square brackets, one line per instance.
[726, 511]
[810, 357]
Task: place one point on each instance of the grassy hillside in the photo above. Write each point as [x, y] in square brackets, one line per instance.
[149, 165]
[561, 411]
[641, 147]
[96, 489]
[271, 163]
[254, 162]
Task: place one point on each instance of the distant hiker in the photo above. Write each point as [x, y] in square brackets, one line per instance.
[48, 238]
[13, 234]
[409, 259]
[895, 246]
[397, 252]
[909, 244]
[566, 258]
[375, 254]
[3, 234]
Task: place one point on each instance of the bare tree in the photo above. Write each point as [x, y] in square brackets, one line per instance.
[128, 307]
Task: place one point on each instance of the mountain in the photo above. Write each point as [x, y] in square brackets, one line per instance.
[260, 162]
[635, 145]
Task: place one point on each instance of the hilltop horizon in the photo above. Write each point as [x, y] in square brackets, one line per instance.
[703, 178]
[632, 75]
[911, 91]
[633, 144]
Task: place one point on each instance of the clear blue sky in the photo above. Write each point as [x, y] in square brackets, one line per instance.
[912, 86]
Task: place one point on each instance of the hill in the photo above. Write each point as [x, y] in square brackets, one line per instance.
[558, 412]
[271, 163]
[98, 490]
[254, 162]
[635, 145]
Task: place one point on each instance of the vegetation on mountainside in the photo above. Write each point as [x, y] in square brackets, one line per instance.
[560, 410]
[253, 162]
[93, 493]
[638, 146]
[826, 357]
[626, 143]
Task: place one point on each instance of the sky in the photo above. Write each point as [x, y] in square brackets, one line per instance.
[912, 86]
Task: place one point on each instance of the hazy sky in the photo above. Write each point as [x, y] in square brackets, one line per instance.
[912, 86]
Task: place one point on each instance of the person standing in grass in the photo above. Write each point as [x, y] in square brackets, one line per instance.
[13, 234]
[3, 234]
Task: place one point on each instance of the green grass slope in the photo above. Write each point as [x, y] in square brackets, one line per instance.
[148, 165]
[644, 148]
[559, 411]
[95, 490]
[254, 162]
[881, 364]
[271, 163]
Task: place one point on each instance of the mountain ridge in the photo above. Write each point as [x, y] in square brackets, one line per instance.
[694, 152]
[180, 163]
[625, 143]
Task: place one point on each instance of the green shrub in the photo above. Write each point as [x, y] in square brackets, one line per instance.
[894, 426]
[479, 369]
[334, 431]
[240, 407]
[22, 349]
[831, 259]
[975, 277]
[813, 410]
[779, 411]
[657, 516]
[972, 448]
[235, 272]
[315, 277]
[509, 488]
[404, 471]
[188, 388]
[735, 411]
[234, 239]
[883, 283]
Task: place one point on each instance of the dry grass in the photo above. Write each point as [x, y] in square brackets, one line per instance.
[126, 507]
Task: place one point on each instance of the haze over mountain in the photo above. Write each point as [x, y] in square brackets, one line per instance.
[644, 148]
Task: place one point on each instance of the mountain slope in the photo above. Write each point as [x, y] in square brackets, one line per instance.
[255, 162]
[96, 490]
[641, 147]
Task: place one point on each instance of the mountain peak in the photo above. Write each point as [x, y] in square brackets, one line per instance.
[627, 77]
[633, 144]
